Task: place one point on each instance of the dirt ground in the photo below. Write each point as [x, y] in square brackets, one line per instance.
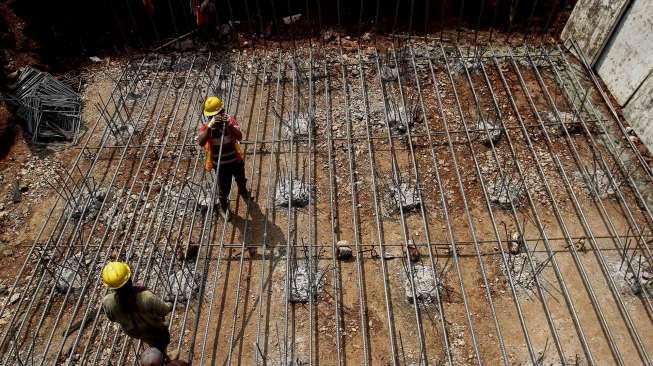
[239, 313]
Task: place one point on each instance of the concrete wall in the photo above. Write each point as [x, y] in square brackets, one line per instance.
[617, 37]
[591, 23]
[627, 59]
[639, 112]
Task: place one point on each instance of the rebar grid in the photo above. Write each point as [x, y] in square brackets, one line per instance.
[233, 285]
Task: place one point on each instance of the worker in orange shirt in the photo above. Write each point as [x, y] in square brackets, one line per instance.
[205, 19]
[220, 136]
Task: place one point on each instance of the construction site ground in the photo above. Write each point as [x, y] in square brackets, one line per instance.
[153, 179]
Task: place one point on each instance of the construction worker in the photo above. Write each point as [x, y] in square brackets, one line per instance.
[148, 5]
[220, 137]
[153, 357]
[139, 312]
[205, 16]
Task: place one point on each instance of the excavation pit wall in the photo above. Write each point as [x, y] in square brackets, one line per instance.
[242, 310]
[110, 26]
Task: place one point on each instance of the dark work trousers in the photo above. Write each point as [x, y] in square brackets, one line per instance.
[158, 337]
[225, 173]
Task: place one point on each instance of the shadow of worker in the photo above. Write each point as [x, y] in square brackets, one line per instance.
[259, 232]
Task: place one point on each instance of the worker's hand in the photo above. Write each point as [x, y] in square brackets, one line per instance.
[222, 118]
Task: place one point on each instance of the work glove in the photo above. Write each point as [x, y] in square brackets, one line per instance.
[222, 118]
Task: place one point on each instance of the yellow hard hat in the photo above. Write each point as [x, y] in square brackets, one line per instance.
[115, 274]
[212, 106]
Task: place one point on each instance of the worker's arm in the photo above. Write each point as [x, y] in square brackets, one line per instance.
[158, 306]
[234, 127]
[205, 132]
[106, 305]
[203, 137]
[163, 308]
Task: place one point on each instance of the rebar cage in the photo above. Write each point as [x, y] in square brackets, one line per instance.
[519, 234]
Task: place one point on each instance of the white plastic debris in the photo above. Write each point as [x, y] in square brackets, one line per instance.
[344, 250]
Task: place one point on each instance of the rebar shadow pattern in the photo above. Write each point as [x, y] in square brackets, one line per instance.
[419, 203]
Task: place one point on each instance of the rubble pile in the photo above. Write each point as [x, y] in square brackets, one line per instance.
[389, 73]
[183, 198]
[503, 193]
[488, 132]
[305, 284]
[300, 125]
[298, 197]
[636, 280]
[120, 132]
[599, 181]
[200, 193]
[520, 270]
[402, 118]
[70, 273]
[404, 196]
[86, 206]
[458, 65]
[508, 181]
[183, 284]
[173, 202]
[122, 210]
[567, 119]
[49, 107]
[427, 285]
